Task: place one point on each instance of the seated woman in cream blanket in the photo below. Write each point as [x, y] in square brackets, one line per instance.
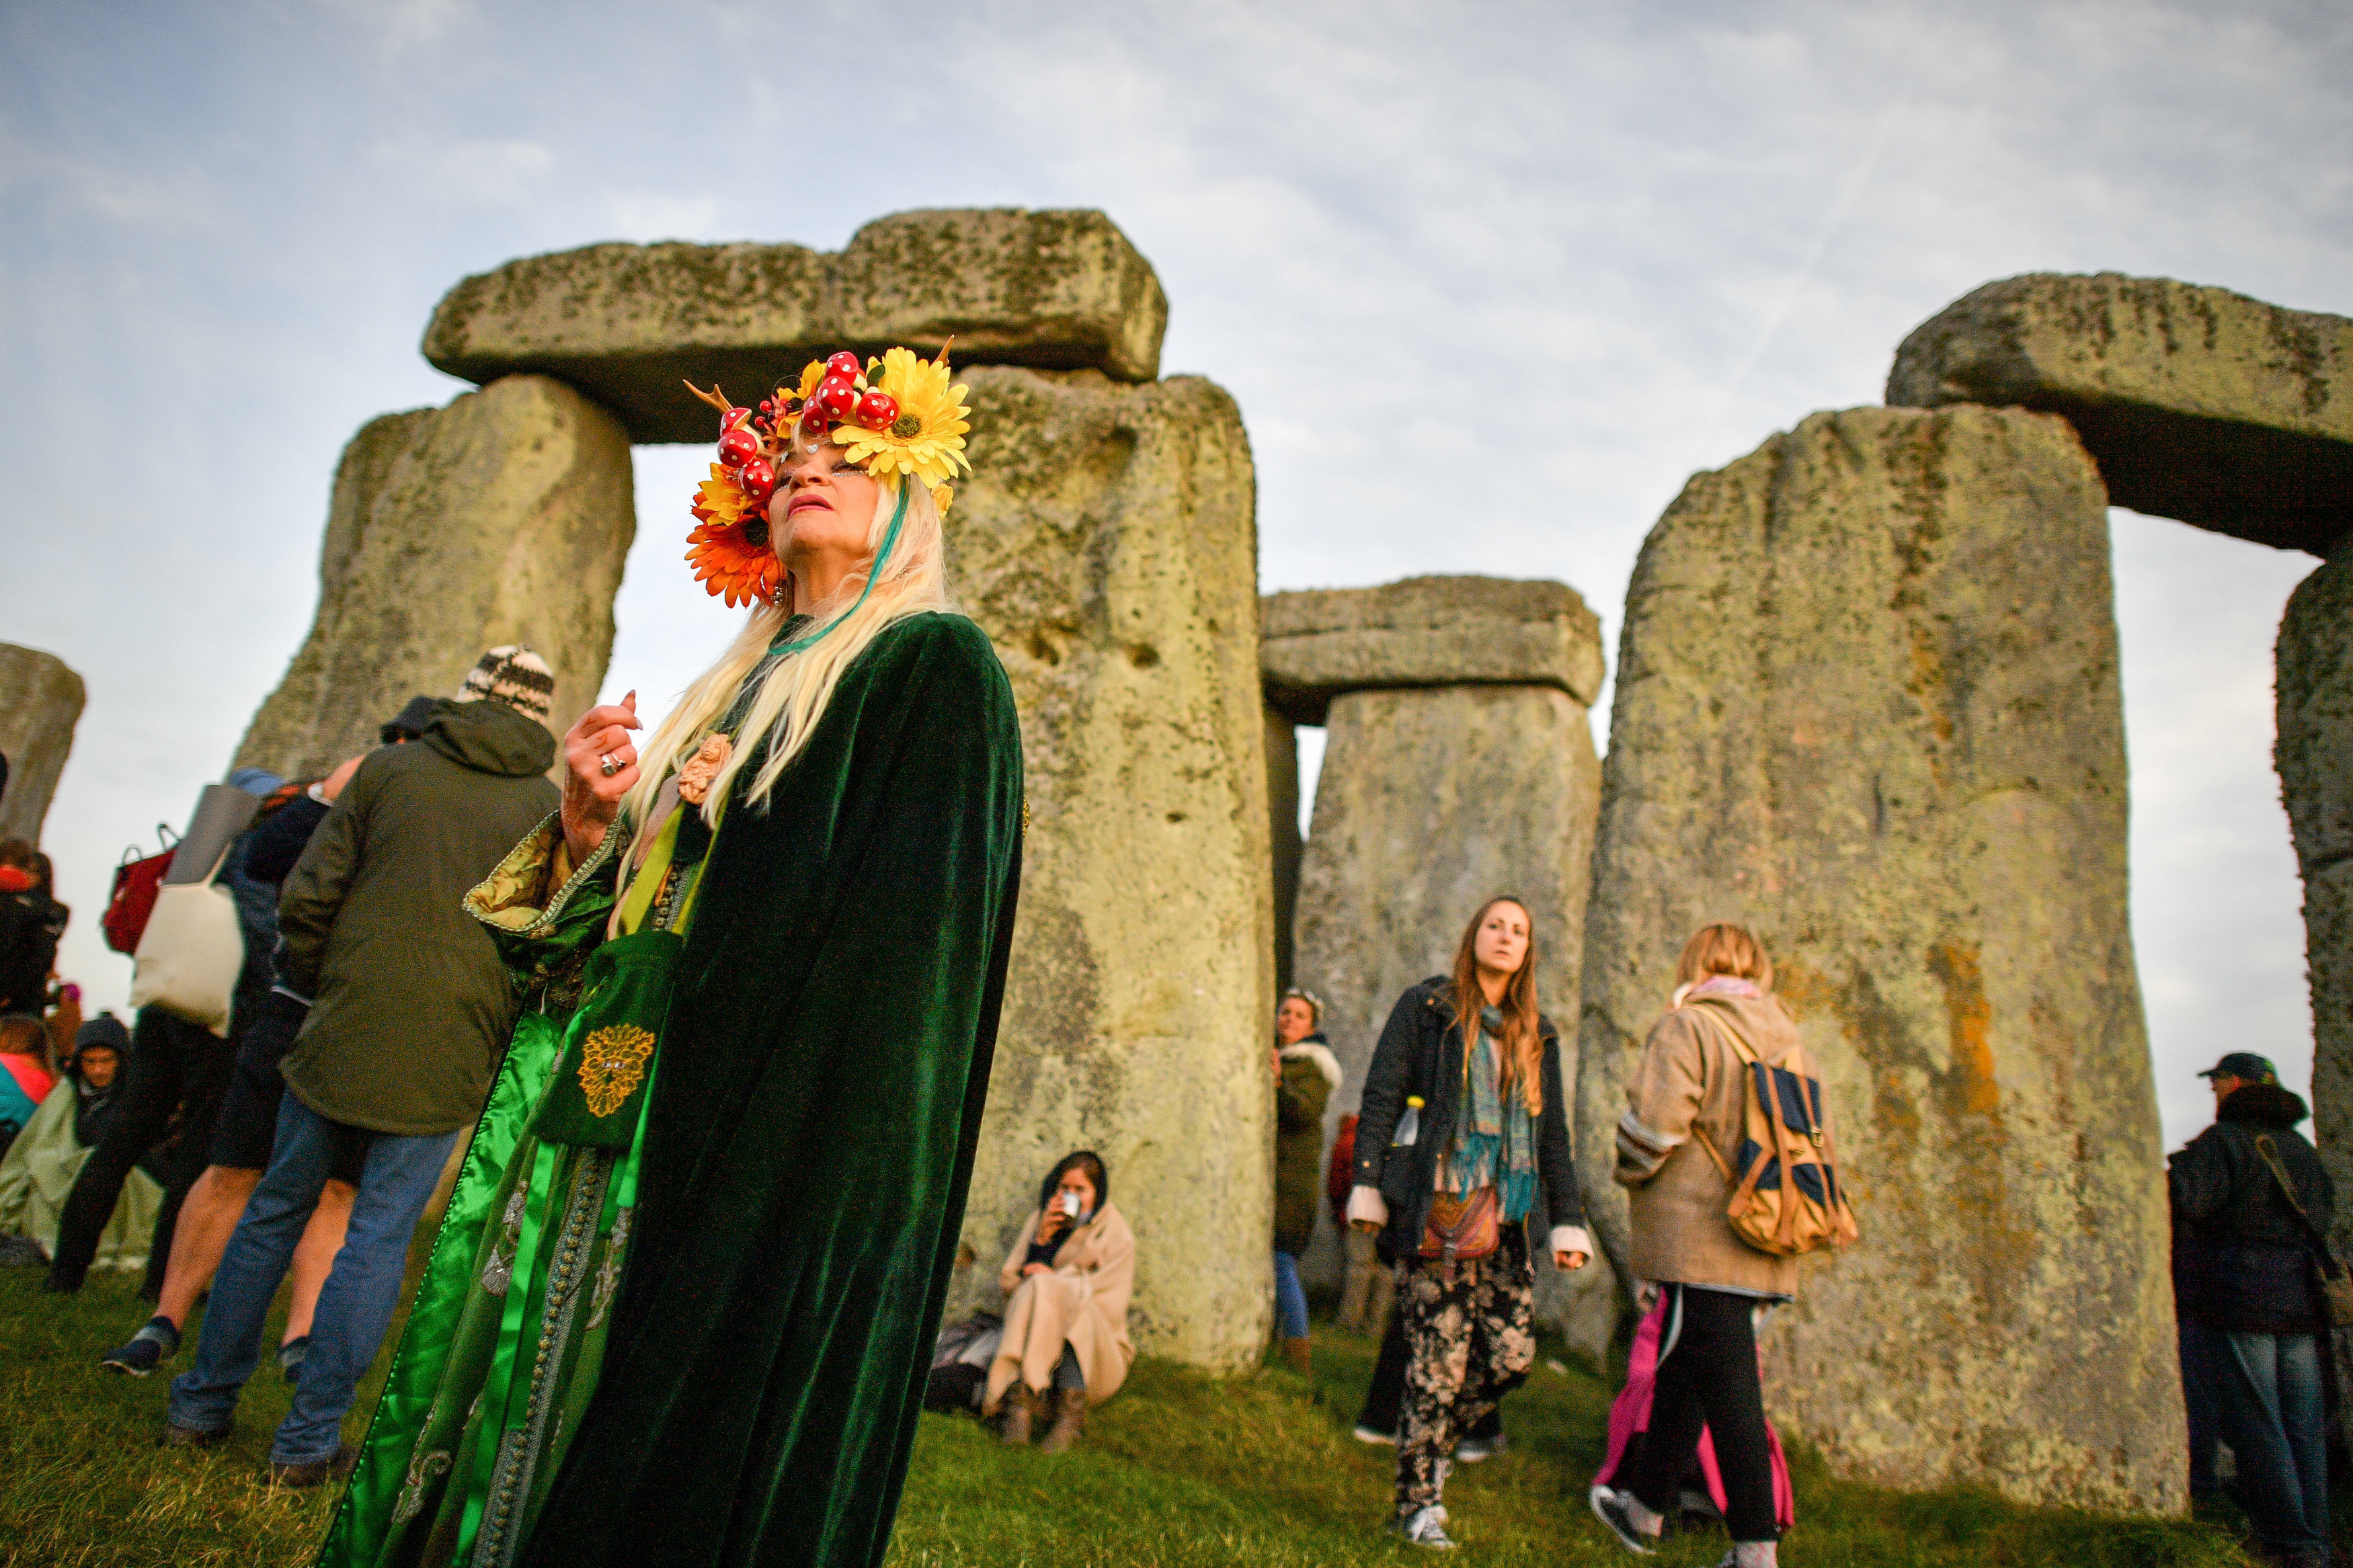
[1067, 1280]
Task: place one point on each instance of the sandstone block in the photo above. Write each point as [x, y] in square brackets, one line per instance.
[40, 702]
[1427, 631]
[1062, 291]
[1868, 706]
[1432, 801]
[2197, 403]
[503, 518]
[1107, 542]
[2314, 755]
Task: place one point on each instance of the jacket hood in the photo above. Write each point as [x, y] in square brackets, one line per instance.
[491, 737]
[1763, 1021]
[2264, 1105]
[1313, 1049]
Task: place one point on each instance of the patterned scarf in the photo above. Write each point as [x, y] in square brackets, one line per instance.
[1495, 1137]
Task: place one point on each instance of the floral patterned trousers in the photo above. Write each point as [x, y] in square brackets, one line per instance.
[1468, 1341]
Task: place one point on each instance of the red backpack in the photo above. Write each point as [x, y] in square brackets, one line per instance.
[136, 882]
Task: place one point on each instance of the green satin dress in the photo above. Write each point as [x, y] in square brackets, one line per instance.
[705, 1349]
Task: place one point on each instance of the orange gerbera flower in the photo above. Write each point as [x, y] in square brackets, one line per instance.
[729, 547]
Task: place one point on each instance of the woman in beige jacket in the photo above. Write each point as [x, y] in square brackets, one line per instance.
[1067, 1281]
[1687, 1110]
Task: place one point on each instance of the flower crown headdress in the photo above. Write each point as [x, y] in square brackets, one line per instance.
[895, 415]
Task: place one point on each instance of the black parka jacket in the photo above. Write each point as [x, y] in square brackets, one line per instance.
[2246, 1262]
[1420, 1053]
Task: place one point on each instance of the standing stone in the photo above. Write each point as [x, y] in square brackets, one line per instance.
[1061, 290]
[2197, 403]
[2315, 766]
[1868, 707]
[40, 701]
[1436, 795]
[504, 517]
[1107, 542]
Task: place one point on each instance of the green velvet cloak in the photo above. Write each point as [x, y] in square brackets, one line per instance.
[809, 1142]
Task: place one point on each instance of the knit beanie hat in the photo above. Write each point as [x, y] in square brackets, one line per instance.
[107, 1030]
[515, 675]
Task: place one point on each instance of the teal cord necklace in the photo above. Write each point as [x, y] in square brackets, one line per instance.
[890, 538]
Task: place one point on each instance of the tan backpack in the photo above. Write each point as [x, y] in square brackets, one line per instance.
[1786, 1137]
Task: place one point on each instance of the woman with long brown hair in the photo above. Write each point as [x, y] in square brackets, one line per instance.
[1464, 1111]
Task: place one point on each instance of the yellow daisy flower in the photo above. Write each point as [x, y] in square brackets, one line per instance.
[926, 441]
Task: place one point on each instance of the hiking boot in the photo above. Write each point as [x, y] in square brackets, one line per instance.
[316, 1472]
[177, 1436]
[1070, 1420]
[1613, 1509]
[291, 1356]
[1295, 1351]
[1020, 1412]
[1425, 1527]
[150, 1348]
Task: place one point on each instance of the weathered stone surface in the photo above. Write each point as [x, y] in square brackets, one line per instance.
[503, 518]
[1431, 801]
[1868, 706]
[2314, 755]
[2197, 403]
[1062, 291]
[1282, 831]
[1107, 542]
[1427, 631]
[40, 701]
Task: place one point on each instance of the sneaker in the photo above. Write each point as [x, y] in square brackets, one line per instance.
[1425, 1527]
[316, 1472]
[291, 1356]
[150, 1348]
[1610, 1508]
[1363, 1434]
[175, 1436]
[1471, 1450]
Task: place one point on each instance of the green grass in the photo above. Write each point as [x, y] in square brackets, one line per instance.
[1180, 1470]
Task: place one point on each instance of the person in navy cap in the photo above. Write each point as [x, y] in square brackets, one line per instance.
[2250, 1202]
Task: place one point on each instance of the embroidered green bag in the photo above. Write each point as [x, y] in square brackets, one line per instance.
[599, 1084]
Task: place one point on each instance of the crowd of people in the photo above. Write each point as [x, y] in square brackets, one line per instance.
[718, 1013]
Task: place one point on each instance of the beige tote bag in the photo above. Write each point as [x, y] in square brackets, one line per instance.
[193, 950]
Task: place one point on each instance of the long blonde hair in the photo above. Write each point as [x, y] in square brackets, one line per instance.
[796, 691]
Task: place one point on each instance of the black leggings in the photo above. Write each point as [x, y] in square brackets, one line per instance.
[174, 1065]
[1709, 1378]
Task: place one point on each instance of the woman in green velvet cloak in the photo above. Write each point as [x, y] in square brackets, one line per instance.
[681, 1309]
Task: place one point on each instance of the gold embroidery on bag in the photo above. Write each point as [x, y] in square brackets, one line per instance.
[612, 1064]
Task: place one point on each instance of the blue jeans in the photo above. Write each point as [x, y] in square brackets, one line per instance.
[2202, 1352]
[356, 1303]
[2267, 1393]
[1289, 1300]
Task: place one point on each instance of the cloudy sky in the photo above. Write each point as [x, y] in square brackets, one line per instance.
[1633, 238]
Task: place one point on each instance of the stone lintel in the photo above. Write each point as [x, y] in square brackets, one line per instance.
[627, 323]
[2196, 403]
[1426, 631]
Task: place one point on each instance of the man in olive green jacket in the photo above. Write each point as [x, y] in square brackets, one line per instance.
[410, 1007]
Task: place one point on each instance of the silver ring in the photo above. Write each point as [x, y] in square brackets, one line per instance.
[610, 764]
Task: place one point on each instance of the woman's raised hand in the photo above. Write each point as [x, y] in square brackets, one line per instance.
[600, 767]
